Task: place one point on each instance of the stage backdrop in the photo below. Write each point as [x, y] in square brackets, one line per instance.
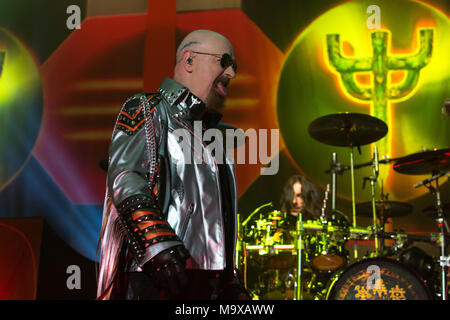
[62, 84]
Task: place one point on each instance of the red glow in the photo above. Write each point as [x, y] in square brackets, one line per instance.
[408, 163]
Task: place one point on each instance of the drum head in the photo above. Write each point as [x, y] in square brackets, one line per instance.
[359, 282]
[328, 263]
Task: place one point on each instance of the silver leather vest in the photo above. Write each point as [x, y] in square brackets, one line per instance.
[189, 191]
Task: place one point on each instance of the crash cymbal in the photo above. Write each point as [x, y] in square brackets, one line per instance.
[390, 209]
[427, 162]
[347, 129]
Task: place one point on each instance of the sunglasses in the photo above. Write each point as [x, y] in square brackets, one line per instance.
[225, 59]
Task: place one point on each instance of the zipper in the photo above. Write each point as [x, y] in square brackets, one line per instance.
[189, 213]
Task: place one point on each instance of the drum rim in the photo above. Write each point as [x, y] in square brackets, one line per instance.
[338, 274]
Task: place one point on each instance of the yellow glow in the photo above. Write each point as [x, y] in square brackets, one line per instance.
[19, 72]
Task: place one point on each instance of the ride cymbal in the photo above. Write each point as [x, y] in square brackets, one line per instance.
[347, 129]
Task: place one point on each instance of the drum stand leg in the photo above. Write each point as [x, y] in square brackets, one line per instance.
[352, 171]
[334, 165]
[441, 226]
[373, 185]
[299, 290]
[440, 221]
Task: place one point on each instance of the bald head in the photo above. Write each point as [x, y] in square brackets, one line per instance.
[200, 39]
[199, 66]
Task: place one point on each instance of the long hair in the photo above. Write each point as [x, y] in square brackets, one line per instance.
[310, 195]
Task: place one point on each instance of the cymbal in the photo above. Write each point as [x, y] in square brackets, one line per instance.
[427, 162]
[390, 209]
[347, 129]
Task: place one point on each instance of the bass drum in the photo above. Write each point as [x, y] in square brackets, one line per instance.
[377, 279]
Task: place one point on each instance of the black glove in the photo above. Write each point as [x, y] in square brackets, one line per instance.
[168, 271]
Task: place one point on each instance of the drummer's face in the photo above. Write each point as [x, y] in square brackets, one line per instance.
[297, 201]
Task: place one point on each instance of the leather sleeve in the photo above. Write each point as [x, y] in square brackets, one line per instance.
[133, 178]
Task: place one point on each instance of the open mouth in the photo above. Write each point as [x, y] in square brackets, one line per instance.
[221, 87]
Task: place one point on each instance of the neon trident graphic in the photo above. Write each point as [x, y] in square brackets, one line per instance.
[381, 92]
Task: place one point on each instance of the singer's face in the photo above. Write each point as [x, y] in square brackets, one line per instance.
[297, 200]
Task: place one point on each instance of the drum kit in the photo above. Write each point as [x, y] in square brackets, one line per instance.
[282, 258]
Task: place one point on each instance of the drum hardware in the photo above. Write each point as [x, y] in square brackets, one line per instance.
[342, 168]
[442, 225]
[348, 130]
[373, 182]
[436, 163]
[385, 209]
[334, 170]
[240, 243]
[444, 261]
[298, 285]
[255, 212]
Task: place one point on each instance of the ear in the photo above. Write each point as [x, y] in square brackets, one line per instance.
[188, 61]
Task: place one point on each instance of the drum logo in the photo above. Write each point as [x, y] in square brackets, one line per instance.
[390, 286]
[381, 91]
[395, 293]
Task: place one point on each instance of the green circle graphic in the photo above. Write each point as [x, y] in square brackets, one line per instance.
[20, 106]
[310, 88]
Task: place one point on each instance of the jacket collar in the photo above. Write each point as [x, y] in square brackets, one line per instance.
[185, 105]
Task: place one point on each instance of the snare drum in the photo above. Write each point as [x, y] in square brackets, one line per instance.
[377, 279]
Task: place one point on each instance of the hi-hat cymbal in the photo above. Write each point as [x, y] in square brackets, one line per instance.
[427, 162]
[389, 209]
[347, 129]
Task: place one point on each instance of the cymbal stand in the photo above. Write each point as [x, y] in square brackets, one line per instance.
[441, 226]
[373, 185]
[352, 174]
[334, 171]
[299, 289]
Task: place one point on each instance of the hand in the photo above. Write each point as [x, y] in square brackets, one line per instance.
[168, 271]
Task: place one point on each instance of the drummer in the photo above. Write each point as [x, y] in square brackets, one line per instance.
[300, 195]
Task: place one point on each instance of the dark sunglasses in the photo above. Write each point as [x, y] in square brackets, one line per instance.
[225, 59]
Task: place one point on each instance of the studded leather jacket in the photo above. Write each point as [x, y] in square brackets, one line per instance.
[179, 199]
